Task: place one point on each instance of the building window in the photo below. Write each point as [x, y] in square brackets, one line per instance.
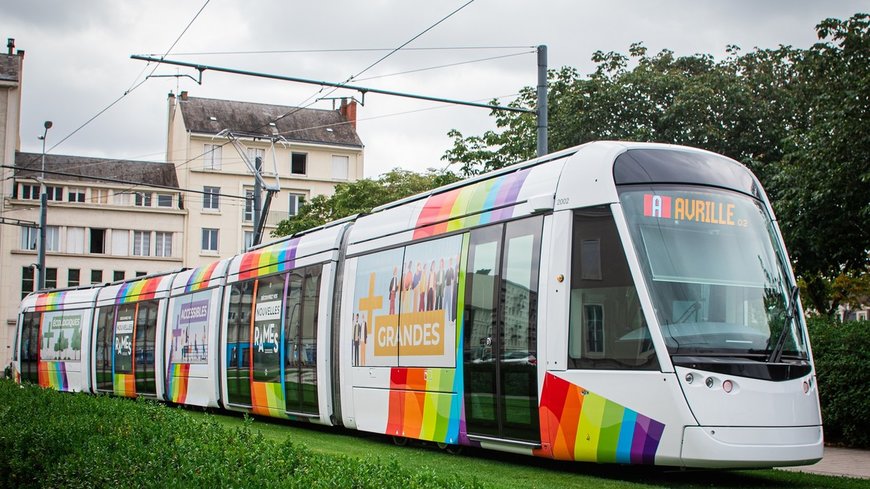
[75, 240]
[248, 215]
[27, 281]
[141, 243]
[254, 153]
[120, 242]
[121, 198]
[73, 277]
[118, 275]
[75, 194]
[298, 163]
[339, 167]
[29, 238]
[98, 241]
[164, 200]
[142, 199]
[209, 239]
[162, 244]
[52, 238]
[211, 197]
[51, 278]
[594, 324]
[296, 201]
[96, 276]
[100, 195]
[249, 240]
[54, 193]
[211, 156]
[29, 191]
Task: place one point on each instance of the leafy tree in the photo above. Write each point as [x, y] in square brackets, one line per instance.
[798, 118]
[821, 189]
[362, 196]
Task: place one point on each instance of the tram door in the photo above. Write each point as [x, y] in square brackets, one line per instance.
[500, 331]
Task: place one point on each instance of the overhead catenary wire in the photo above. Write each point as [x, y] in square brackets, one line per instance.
[372, 65]
[342, 50]
[133, 86]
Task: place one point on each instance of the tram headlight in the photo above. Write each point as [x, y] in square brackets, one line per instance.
[727, 386]
[690, 378]
[806, 387]
[709, 382]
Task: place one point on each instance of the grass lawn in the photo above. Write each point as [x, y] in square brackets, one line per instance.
[497, 469]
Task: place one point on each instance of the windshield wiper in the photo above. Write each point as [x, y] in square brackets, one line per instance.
[790, 317]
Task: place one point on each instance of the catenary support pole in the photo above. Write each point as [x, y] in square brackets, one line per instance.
[542, 101]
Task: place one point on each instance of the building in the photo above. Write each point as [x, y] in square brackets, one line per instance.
[97, 230]
[304, 152]
[111, 220]
[10, 115]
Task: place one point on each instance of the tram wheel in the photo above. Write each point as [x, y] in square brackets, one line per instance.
[400, 440]
[450, 448]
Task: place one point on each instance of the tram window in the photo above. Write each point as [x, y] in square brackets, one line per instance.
[267, 329]
[124, 339]
[607, 329]
[105, 319]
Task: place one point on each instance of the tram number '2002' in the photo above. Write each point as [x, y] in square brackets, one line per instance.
[563, 201]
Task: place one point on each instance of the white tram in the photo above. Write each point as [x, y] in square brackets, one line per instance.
[613, 302]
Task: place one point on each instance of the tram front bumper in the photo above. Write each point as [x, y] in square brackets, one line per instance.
[751, 447]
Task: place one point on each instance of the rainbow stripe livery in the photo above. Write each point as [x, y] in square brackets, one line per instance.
[140, 290]
[50, 301]
[268, 399]
[125, 385]
[424, 404]
[584, 426]
[201, 277]
[53, 375]
[278, 258]
[178, 375]
[484, 202]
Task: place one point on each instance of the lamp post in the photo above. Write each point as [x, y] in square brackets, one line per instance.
[43, 209]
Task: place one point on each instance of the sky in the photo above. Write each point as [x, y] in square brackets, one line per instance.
[77, 63]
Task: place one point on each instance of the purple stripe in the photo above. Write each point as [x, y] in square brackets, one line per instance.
[639, 441]
[654, 434]
[509, 193]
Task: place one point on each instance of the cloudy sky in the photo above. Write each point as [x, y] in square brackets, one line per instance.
[78, 62]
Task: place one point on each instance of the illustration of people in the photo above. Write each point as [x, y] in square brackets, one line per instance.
[439, 287]
[394, 289]
[356, 337]
[365, 339]
[417, 287]
[407, 281]
[449, 282]
[431, 285]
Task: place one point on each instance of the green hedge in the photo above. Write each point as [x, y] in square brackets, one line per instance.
[52, 439]
[842, 357]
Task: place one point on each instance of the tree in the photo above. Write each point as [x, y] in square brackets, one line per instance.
[821, 190]
[361, 197]
[797, 118]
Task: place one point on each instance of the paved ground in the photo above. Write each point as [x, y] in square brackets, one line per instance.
[840, 461]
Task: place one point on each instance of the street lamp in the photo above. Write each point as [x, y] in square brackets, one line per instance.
[43, 210]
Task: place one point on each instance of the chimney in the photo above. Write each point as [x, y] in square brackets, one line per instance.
[10, 44]
[184, 95]
[348, 111]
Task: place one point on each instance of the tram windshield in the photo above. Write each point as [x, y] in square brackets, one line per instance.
[716, 273]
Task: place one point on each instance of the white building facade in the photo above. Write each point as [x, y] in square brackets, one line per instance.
[304, 152]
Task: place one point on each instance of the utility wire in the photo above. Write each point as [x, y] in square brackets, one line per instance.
[134, 86]
[446, 66]
[352, 77]
[348, 50]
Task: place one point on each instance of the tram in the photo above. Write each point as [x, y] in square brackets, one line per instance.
[614, 302]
